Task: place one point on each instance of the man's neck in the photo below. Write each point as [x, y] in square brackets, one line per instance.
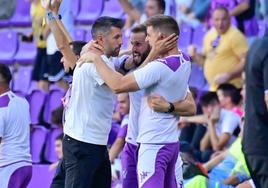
[174, 51]
[4, 89]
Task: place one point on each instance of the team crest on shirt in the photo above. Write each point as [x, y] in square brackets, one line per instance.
[143, 176]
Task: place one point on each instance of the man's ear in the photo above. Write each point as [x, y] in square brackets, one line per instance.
[99, 39]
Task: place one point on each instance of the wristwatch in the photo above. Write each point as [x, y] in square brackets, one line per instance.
[50, 16]
[171, 108]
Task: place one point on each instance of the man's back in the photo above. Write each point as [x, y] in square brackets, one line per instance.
[167, 77]
[256, 127]
[14, 129]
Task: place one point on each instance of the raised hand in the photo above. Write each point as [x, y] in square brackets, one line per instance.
[163, 45]
[52, 5]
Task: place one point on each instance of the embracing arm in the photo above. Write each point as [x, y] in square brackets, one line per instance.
[186, 107]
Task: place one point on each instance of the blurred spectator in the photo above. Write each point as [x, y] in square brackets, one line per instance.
[226, 170]
[256, 129]
[192, 12]
[58, 151]
[264, 9]
[59, 178]
[224, 49]
[39, 33]
[244, 13]
[56, 116]
[221, 125]
[123, 108]
[55, 68]
[230, 98]
[7, 8]
[152, 7]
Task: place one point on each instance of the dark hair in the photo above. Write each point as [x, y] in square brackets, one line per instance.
[139, 29]
[165, 24]
[222, 8]
[59, 137]
[77, 46]
[209, 98]
[229, 90]
[56, 115]
[161, 4]
[103, 25]
[5, 74]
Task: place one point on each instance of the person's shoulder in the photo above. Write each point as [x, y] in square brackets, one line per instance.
[4, 101]
[230, 114]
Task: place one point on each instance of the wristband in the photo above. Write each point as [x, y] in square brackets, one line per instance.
[50, 16]
[171, 108]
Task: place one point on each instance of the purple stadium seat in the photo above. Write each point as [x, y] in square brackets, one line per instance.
[22, 79]
[42, 176]
[90, 10]
[9, 41]
[112, 8]
[21, 16]
[26, 53]
[198, 35]
[38, 137]
[79, 34]
[186, 35]
[197, 78]
[36, 100]
[53, 101]
[4, 23]
[75, 7]
[50, 154]
[88, 36]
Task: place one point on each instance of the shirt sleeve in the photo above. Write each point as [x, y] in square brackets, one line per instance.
[148, 75]
[94, 73]
[2, 123]
[230, 123]
[239, 44]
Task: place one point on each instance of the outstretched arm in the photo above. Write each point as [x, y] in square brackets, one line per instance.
[133, 13]
[59, 32]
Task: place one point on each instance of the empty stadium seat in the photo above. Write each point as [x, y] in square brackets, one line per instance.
[197, 78]
[8, 47]
[37, 141]
[50, 154]
[79, 34]
[22, 79]
[26, 53]
[53, 101]
[198, 35]
[185, 39]
[90, 10]
[21, 16]
[42, 176]
[36, 101]
[112, 8]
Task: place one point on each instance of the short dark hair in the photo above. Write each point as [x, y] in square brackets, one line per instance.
[222, 8]
[5, 74]
[229, 90]
[161, 4]
[77, 46]
[141, 28]
[104, 24]
[60, 137]
[165, 24]
[209, 98]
